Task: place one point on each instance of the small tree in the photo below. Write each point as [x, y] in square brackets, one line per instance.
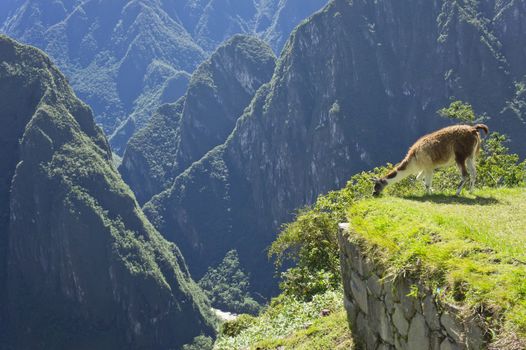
[200, 342]
[460, 111]
[227, 286]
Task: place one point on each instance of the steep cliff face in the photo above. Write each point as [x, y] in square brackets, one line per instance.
[182, 133]
[125, 58]
[81, 265]
[355, 86]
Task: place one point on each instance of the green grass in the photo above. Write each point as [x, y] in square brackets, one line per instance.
[329, 332]
[471, 250]
[294, 324]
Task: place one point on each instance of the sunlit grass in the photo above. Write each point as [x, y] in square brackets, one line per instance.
[472, 248]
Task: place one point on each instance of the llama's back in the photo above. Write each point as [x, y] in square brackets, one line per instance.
[443, 146]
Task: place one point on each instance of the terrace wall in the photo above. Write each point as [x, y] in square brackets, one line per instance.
[384, 314]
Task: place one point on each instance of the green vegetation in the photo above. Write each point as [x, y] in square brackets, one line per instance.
[227, 286]
[292, 324]
[460, 111]
[180, 133]
[310, 241]
[472, 249]
[479, 251]
[200, 342]
[74, 212]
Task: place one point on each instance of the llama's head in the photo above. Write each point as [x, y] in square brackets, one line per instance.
[379, 185]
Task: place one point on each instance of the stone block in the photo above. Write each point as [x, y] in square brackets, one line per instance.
[399, 321]
[430, 312]
[374, 286]
[360, 332]
[448, 344]
[380, 320]
[372, 340]
[435, 339]
[408, 302]
[388, 296]
[400, 343]
[359, 292]
[452, 326]
[475, 336]
[418, 337]
[351, 308]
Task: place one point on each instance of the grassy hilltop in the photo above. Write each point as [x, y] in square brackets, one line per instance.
[471, 250]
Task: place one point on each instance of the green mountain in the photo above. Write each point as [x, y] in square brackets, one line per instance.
[126, 58]
[181, 133]
[80, 266]
[355, 86]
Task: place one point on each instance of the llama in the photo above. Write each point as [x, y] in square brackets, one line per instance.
[458, 144]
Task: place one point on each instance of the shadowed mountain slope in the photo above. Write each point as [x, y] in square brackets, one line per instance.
[355, 86]
[80, 265]
[181, 133]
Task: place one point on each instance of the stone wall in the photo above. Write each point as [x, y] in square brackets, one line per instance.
[400, 314]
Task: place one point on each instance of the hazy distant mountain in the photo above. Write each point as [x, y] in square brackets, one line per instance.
[181, 133]
[80, 266]
[125, 58]
[354, 87]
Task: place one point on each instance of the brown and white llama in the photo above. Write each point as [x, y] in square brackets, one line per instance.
[457, 144]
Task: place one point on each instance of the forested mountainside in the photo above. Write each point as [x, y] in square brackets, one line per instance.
[354, 87]
[181, 133]
[80, 265]
[126, 58]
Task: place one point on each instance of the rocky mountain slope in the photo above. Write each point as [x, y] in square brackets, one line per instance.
[125, 58]
[80, 266]
[354, 87]
[181, 133]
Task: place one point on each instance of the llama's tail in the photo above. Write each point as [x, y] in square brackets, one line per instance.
[482, 127]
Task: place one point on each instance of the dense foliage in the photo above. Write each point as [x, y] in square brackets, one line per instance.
[181, 133]
[227, 286]
[310, 241]
[291, 323]
[79, 263]
[201, 342]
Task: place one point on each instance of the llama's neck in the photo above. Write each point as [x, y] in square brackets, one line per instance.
[405, 169]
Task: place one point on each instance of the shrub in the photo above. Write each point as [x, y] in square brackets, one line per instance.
[227, 286]
[234, 327]
[200, 342]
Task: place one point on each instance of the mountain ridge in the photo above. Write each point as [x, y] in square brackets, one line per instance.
[120, 55]
[80, 264]
[355, 73]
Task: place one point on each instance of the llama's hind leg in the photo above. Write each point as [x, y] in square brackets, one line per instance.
[464, 171]
[428, 181]
[472, 170]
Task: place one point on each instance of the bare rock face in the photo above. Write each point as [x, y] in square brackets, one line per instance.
[80, 266]
[356, 85]
[181, 133]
